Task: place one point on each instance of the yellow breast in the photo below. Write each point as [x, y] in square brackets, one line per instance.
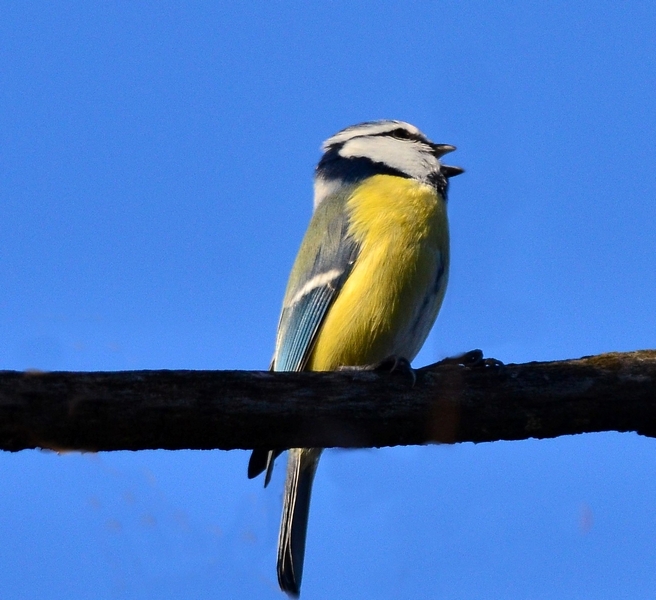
[392, 296]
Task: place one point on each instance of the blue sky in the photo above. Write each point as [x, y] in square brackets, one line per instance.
[156, 170]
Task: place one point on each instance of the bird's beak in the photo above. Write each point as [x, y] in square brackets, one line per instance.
[449, 171]
[440, 150]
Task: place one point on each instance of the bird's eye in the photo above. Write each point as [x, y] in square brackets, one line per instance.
[401, 134]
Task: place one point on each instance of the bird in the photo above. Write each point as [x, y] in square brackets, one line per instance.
[366, 285]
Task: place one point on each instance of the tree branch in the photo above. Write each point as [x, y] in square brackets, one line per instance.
[136, 410]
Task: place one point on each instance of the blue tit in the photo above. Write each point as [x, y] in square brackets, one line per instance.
[367, 283]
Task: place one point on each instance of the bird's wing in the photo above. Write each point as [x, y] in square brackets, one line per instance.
[323, 264]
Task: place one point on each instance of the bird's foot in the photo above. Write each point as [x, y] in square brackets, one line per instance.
[472, 360]
[391, 364]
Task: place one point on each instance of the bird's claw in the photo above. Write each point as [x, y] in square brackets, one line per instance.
[391, 364]
[472, 360]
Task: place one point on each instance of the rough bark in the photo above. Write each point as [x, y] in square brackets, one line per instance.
[135, 410]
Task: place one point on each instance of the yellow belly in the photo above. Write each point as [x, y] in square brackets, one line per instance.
[391, 298]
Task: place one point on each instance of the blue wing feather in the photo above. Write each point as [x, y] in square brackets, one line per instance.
[327, 249]
[302, 323]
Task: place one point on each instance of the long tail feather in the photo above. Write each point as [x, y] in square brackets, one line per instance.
[301, 466]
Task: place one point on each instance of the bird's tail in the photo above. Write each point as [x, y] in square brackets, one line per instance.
[301, 466]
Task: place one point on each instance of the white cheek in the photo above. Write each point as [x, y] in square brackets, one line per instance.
[403, 155]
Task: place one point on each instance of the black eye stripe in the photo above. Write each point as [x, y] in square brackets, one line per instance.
[398, 133]
[401, 134]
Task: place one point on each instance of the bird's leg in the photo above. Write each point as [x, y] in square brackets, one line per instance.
[391, 364]
[472, 359]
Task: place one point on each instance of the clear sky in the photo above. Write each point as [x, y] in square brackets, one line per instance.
[156, 167]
